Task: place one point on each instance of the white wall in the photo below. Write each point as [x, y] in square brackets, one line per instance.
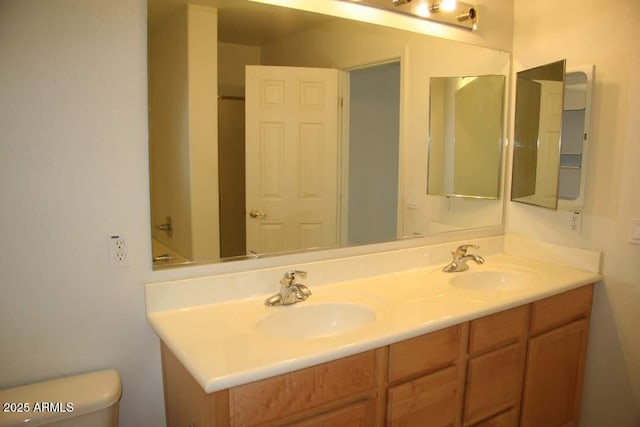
[586, 33]
[74, 167]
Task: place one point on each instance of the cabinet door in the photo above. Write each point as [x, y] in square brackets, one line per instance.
[506, 419]
[356, 415]
[494, 383]
[430, 401]
[553, 379]
[300, 391]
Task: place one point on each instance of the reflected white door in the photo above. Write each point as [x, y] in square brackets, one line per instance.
[551, 101]
[291, 158]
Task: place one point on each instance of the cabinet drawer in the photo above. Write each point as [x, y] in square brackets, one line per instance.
[356, 415]
[494, 382]
[506, 419]
[284, 395]
[430, 401]
[561, 309]
[498, 330]
[426, 353]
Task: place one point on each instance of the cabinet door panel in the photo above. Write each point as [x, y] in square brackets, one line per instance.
[430, 401]
[554, 374]
[494, 382]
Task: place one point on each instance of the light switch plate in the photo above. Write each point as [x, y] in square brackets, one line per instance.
[634, 232]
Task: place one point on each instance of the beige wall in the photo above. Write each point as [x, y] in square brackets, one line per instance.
[203, 130]
[586, 33]
[232, 59]
[495, 28]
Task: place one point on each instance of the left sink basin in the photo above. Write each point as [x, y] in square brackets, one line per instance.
[315, 320]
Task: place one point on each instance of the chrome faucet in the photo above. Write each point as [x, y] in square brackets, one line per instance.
[460, 258]
[290, 291]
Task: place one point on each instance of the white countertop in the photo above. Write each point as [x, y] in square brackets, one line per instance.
[221, 347]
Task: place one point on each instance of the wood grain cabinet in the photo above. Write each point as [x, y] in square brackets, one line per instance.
[556, 357]
[497, 351]
[426, 379]
[520, 367]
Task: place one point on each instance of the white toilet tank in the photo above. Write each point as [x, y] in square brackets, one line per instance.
[87, 400]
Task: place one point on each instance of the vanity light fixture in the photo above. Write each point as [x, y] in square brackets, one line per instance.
[469, 15]
[463, 12]
[450, 12]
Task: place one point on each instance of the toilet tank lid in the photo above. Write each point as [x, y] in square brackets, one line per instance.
[60, 398]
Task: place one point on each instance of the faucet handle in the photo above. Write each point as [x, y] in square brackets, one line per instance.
[462, 249]
[291, 275]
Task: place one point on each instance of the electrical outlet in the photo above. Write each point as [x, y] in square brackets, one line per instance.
[575, 221]
[118, 249]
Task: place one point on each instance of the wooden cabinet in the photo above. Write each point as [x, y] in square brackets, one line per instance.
[497, 350]
[426, 377]
[284, 395]
[505, 419]
[343, 392]
[433, 400]
[494, 383]
[472, 375]
[356, 415]
[426, 353]
[556, 357]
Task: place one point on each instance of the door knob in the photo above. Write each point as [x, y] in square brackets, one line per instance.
[255, 213]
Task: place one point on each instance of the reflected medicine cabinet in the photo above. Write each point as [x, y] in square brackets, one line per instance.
[549, 166]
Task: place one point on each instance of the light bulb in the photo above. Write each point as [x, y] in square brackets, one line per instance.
[422, 10]
[447, 5]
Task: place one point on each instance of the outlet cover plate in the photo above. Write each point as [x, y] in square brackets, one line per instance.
[118, 249]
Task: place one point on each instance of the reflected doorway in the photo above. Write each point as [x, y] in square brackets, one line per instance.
[373, 153]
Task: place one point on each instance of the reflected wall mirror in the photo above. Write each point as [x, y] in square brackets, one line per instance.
[465, 136]
[233, 177]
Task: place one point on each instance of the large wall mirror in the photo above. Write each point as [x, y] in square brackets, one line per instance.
[274, 130]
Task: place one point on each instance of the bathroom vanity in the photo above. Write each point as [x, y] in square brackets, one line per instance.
[502, 344]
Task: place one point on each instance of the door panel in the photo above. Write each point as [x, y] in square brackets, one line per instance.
[291, 158]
